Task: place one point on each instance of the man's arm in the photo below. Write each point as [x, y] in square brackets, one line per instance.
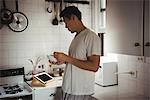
[91, 64]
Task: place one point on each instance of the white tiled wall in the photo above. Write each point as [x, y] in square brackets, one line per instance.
[148, 65]
[40, 37]
[130, 85]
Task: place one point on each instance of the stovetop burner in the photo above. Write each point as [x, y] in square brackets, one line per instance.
[13, 84]
[12, 89]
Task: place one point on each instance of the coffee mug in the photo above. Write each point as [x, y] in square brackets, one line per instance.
[52, 59]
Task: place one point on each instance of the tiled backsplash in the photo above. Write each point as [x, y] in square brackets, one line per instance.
[40, 38]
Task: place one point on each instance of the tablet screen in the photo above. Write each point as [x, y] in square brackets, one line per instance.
[44, 77]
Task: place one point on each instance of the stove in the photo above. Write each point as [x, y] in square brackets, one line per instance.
[12, 89]
[12, 83]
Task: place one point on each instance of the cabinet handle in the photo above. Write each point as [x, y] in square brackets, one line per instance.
[136, 44]
[147, 44]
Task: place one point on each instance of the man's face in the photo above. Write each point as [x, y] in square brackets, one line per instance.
[69, 24]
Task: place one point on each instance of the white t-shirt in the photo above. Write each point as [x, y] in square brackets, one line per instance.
[78, 81]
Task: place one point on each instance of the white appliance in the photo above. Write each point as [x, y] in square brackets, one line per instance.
[106, 76]
[12, 85]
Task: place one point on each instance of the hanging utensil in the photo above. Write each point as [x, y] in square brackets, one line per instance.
[20, 21]
[49, 9]
[61, 6]
[55, 20]
[5, 15]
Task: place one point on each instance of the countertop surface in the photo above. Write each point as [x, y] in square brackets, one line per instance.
[56, 82]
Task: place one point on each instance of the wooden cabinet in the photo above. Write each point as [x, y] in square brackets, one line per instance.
[127, 27]
[128, 34]
[146, 29]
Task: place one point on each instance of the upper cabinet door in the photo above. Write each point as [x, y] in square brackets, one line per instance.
[147, 28]
[124, 27]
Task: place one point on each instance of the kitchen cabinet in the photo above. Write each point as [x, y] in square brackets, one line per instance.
[49, 92]
[128, 35]
[46, 93]
[132, 78]
[127, 27]
[146, 29]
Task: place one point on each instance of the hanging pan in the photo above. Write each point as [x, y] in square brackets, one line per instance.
[55, 20]
[5, 15]
[19, 22]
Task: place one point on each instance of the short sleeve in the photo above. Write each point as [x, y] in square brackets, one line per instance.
[93, 44]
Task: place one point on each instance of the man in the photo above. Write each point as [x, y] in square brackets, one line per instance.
[83, 59]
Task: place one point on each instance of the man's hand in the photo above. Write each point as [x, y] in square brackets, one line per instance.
[61, 57]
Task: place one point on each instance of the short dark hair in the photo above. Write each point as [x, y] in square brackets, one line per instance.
[71, 10]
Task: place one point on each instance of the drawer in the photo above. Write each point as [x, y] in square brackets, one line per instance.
[45, 94]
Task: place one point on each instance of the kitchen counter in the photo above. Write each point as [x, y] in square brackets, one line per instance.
[47, 92]
[57, 82]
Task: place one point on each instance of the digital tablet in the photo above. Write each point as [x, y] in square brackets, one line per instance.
[43, 77]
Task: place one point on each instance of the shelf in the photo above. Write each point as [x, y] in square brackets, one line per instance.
[70, 1]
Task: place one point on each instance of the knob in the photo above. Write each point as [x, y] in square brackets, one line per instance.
[147, 44]
[136, 44]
